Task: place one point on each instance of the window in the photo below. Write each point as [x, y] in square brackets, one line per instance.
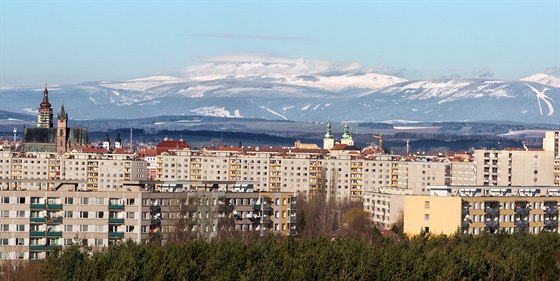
[84, 201]
[83, 214]
[130, 215]
[99, 228]
[5, 200]
[20, 241]
[84, 227]
[98, 242]
[426, 217]
[68, 214]
[426, 204]
[4, 214]
[4, 241]
[99, 215]
[69, 228]
[21, 200]
[100, 201]
[69, 201]
[130, 228]
[20, 227]
[21, 214]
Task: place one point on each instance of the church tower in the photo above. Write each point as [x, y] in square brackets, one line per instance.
[45, 116]
[328, 140]
[347, 137]
[61, 131]
[118, 141]
[107, 142]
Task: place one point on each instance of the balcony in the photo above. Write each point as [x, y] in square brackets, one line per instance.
[116, 221]
[464, 224]
[53, 247]
[522, 211]
[521, 224]
[35, 206]
[464, 211]
[54, 233]
[492, 210]
[551, 211]
[54, 220]
[116, 206]
[36, 233]
[116, 234]
[36, 248]
[492, 224]
[551, 223]
[54, 206]
[292, 219]
[37, 220]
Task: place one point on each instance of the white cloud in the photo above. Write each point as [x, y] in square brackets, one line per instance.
[298, 71]
[247, 65]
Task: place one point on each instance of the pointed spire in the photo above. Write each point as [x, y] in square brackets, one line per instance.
[62, 113]
[107, 137]
[118, 139]
[45, 103]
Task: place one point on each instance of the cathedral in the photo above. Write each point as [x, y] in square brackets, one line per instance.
[46, 138]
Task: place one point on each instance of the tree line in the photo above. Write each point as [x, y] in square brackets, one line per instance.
[458, 257]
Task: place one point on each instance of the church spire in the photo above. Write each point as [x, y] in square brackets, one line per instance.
[45, 115]
[45, 103]
[62, 113]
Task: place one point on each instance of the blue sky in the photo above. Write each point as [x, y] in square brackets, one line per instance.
[76, 41]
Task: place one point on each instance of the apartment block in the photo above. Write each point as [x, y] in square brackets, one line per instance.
[478, 209]
[34, 223]
[514, 167]
[89, 171]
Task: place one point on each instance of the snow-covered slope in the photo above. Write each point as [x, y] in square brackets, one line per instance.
[253, 91]
[543, 78]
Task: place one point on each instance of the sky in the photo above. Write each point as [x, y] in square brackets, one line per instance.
[76, 41]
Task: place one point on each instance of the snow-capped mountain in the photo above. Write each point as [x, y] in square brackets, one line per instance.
[543, 78]
[254, 91]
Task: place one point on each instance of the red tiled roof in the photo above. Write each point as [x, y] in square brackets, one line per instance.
[166, 145]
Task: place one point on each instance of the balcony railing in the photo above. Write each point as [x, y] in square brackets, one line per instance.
[116, 206]
[37, 220]
[292, 219]
[54, 233]
[36, 233]
[54, 206]
[116, 234]
[492, 224]
[522, 211]
[41, 206]
[56, 220]
[116, 221]
[36, 248]
[521, 224]
[492, 211]
[551, 223]
[551, 211]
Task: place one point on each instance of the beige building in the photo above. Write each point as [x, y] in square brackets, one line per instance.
[478, 209]
[385, 206]
[46, 171]
[514, 167]
[34, 223]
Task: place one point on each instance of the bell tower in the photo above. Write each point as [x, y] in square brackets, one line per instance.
[61, 131]
[45, 115]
